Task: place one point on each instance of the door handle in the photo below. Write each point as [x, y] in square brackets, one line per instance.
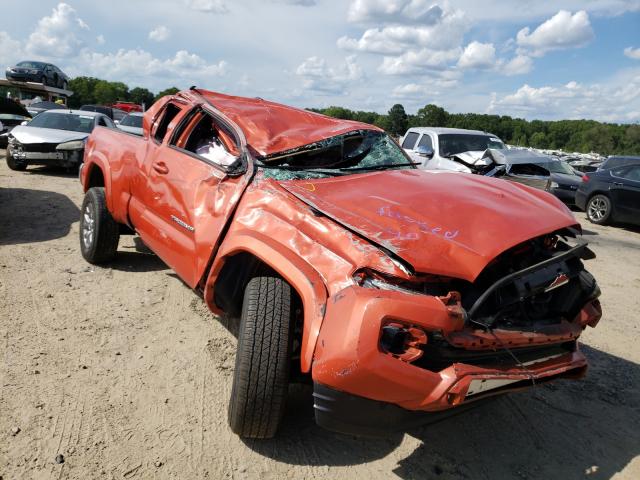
[160, 167]
[618, 184]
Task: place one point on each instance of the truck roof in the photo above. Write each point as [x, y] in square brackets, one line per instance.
[272, 128]
[442, 130]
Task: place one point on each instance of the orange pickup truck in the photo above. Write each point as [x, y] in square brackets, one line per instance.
[400, 293]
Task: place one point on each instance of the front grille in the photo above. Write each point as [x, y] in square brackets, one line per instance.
[39, 147]
[439, 355]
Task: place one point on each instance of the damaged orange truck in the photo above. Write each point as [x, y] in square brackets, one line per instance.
[400, 293]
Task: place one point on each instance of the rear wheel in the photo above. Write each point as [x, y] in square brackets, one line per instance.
[261, 376]
[599, 209]
[99, 232]
[14, 164]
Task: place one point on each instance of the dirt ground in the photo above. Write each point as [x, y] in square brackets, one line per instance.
[124, 372]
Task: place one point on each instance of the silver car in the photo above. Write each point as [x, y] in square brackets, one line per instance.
[53, 137]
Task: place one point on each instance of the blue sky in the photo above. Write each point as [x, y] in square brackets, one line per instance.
[533, 59]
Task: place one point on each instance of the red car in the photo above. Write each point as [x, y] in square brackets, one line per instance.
[127, 106]
[398, 292]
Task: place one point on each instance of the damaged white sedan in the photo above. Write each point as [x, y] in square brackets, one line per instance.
[53, 137]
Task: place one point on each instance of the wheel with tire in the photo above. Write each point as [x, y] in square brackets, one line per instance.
[599, 209]
[261, 376]
[13, 164]
[99, 232]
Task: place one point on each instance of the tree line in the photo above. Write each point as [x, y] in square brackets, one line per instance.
[90, 90]
[569, 135]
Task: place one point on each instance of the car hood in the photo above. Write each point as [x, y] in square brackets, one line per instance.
[26, 134]
[442, 223]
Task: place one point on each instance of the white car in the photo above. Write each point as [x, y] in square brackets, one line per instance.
[453, 149]
[132, 123]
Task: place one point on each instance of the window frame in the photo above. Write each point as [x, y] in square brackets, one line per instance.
[414, 143]
[159, 118]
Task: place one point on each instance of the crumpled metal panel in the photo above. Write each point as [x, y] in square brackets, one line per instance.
[441, 223]
[273, 128]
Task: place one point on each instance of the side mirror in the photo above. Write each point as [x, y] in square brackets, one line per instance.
[23, 123]
[424, 151]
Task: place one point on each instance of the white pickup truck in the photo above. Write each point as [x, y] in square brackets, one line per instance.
[454, 149]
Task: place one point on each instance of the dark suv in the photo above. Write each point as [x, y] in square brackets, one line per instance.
[38, 72]
[612, 193]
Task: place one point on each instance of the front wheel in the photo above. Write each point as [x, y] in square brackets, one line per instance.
[599, 209]
[13, 164]
[99, 232]
[261, 376]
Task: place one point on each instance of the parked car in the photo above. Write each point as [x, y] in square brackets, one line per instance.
[440, 148]
[619, 161]
[564, 179]
[42, 106]
[611, 194]
[127, 106]
[11, 114]
[114, 114]
[396, 291]
[132, 123]
[39, 72]
[54, 137]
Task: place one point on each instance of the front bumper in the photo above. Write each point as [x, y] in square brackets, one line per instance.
[65, 158]
[348, 357]
[23, 77]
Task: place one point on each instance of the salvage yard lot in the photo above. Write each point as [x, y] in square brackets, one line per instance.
[124, 371]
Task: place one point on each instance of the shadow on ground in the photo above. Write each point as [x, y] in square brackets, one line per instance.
[137, 258]
[53, 171]
[29, 216]
[557, 430]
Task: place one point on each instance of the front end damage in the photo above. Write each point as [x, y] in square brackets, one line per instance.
[67, 154]
[397, 349]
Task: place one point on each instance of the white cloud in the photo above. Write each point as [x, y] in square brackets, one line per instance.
[419, 61]
[617, 100]
[632, 53]
[423, 12]
[208, 6]
[429, 86]
[318, 76]
[444, 34]
[100, 40]
[59, 35]
[140, 64]
[478, 55]
[561, 31]
[301, 3]
[519, 65]
[159, 34]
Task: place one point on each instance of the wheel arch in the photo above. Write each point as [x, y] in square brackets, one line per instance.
[237, 260]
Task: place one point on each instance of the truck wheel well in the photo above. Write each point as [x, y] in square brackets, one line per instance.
[229, 290]
[96, 178]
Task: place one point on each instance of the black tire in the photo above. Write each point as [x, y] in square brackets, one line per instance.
[261, 376]
[599, 209]
[101, 246]
[17, 165]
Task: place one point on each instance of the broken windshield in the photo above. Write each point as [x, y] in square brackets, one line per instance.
[354, 152]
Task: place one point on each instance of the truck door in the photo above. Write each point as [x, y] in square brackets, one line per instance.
[187, 195]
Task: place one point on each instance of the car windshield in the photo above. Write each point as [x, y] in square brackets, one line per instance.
[557, 166]
[354, 152]
[30, 65]
[454, 143]
[64, 121]
[132, 121]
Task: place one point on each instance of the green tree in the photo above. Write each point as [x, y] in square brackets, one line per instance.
[398, 121]
[167, 91]
[141, 96]
[431, 116]
[538, 140]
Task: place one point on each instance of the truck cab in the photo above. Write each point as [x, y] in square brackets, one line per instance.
[434, 147]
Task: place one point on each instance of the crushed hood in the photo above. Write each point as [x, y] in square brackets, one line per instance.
[442, 223]
[26, 135]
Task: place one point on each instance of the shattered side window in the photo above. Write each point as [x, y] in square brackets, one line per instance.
[354, 152]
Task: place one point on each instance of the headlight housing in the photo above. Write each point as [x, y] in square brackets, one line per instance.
[72, 145]
[554, 185]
